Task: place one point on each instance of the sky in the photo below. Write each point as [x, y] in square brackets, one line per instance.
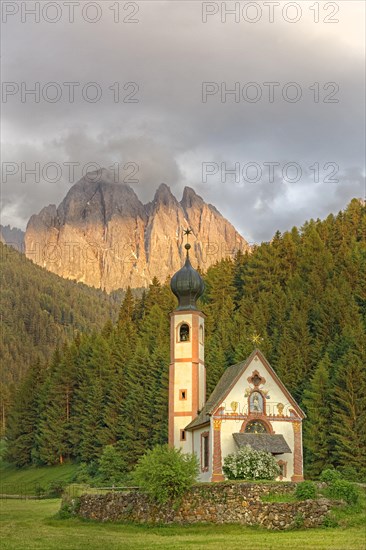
[259, 106]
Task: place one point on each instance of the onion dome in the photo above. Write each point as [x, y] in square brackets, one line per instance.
[187, 284]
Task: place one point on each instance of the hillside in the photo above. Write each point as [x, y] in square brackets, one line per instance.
[40, 310]
[304, 293]
[102, 235]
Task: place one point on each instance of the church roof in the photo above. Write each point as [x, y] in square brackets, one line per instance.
[228, 380]
[273, 443]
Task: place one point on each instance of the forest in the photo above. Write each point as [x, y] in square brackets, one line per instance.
[304, 293]
[38, 311]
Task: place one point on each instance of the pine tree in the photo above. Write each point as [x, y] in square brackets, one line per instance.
[127, 307]
[23, 418]
[293, 354]
[349, 412]
[318, 408]
[135, 420]
[53, 436]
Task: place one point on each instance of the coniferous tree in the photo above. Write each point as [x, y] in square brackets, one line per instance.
[135, 419]
[349, 412]
[23, 420]
[318, 408]
[54, 444]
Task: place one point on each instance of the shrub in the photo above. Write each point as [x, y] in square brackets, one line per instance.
[330, 474]
[298, 521]
[350, 474]
[305, 490]
[165, 473]
[329, 521]
[55, 489]
[82, 474]
[111, 465]
[248, 463]
[343, 490]
[69, 508]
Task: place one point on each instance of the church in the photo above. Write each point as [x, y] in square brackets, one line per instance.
[249, 406]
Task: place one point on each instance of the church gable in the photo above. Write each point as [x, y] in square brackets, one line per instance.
[256, 389]
[256, 409]
[234, 393]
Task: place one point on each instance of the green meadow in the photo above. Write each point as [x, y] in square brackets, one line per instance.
[33, 524]
[26, 481]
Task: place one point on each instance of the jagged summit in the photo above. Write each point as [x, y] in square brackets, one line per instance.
[191, 198]
[164, 196]
[103, 235]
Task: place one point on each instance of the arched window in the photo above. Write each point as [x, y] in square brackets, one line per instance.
[256, 402]
[255, 427]
[202, 334]
[184, 333]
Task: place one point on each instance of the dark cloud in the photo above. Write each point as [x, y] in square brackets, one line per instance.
[169, 133]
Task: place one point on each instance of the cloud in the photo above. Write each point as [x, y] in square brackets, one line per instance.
[169, 133]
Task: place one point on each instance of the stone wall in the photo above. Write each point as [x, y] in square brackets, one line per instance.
[214, 503]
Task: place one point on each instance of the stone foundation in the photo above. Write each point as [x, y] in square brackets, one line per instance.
[212, 503]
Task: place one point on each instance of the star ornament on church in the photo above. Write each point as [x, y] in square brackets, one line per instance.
[187, 232]
[256, 339]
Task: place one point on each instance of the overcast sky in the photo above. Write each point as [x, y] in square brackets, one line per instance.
[172, 127]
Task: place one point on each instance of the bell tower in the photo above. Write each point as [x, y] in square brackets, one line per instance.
[187, 373]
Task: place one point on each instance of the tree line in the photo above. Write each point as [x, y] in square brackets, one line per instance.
[304, 293]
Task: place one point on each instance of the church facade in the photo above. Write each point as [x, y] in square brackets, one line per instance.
[249, 406]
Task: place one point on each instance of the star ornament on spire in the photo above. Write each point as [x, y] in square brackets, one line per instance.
[187, 232]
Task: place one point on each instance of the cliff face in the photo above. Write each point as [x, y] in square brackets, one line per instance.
[102, 235]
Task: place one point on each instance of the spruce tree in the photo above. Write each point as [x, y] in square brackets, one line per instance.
[318, 407]
[23, 419]
[349, 412]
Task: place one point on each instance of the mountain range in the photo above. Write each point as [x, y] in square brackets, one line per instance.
[104, 236]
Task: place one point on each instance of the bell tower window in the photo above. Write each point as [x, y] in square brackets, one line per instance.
[184, 333]
[183, 395]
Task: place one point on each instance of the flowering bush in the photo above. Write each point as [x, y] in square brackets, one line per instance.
[250, 464]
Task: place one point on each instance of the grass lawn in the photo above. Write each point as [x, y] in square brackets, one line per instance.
[27, 524]
[14, 481]
[25, 481]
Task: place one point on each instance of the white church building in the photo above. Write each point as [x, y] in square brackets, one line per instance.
[249, 406]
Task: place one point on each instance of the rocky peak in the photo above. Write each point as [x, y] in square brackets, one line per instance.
[47, 217]
[12, 236]
[90, 201]
[107, 238]
[164, 196]
[191, 199]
